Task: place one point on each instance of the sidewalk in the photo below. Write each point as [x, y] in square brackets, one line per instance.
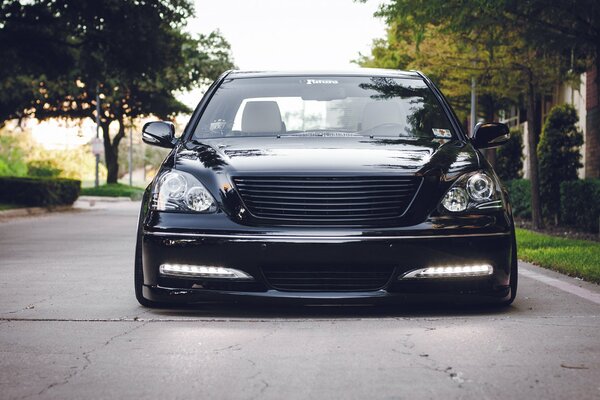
[31, 211]
[81, 204]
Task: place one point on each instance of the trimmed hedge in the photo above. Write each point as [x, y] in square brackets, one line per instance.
[43, 169]
[36, 192]
[559, 156]
[519, 191]
[580, 203]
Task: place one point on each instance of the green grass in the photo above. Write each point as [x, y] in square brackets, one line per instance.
[114, 190]
[4, 206]
[578, 258]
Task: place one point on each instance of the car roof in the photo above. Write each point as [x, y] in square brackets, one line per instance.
[370, 72]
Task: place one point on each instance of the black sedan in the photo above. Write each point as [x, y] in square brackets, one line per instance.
[325, 187]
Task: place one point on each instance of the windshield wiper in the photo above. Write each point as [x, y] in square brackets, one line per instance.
[321, 133]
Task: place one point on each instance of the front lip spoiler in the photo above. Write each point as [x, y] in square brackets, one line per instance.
[309, 238]
[191, 296]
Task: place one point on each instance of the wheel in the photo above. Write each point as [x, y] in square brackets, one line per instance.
[514, 274]
[138, 275]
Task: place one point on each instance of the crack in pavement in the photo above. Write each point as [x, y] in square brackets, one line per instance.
[426, 361]
[528, 320]
[263, 390]
[29, 306]
[87, 362]
[238, 347]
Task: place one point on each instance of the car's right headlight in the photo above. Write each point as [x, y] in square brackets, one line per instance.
[474, 190]
[180, 191]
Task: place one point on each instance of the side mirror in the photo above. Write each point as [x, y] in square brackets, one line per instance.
[490, 134]
[159, 133]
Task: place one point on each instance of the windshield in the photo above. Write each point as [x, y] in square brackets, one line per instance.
[324, 106]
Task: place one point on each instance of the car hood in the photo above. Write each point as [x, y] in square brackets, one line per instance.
[326, 155]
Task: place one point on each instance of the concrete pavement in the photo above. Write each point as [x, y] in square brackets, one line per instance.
[70, 328]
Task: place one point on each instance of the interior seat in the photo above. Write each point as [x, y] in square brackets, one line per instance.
[262, 117]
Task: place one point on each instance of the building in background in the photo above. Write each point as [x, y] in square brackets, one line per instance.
[584, 98]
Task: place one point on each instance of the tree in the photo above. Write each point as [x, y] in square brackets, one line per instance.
[12, 157]
[507, 65]
[133, 55]
[558, 152]
[570, 27]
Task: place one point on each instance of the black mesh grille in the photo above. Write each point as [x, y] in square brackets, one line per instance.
[327, 279]
[327, 200]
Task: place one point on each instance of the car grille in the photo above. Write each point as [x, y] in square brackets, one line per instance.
[327, 279]
[327, 200]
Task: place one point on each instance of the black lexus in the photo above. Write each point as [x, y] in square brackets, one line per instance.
[325, 187]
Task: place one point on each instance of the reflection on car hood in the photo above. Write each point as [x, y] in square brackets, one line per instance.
[327, 155]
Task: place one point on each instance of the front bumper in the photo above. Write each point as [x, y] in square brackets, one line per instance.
[402, 251]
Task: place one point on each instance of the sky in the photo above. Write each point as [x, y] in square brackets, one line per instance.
[291, 34]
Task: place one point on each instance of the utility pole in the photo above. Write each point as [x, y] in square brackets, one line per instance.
[144, 161]
[130, 151]
[473, 106]
[473, 96]
[97, 132]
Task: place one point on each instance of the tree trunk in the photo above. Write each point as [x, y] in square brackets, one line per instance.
[111, 150]
[533, 133]
[592, 121]
[592, 169]
[597, 75]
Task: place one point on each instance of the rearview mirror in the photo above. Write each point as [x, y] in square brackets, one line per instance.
[490, 134]
[159, 133]
[320, 93]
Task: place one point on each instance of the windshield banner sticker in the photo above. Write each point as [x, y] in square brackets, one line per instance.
[321, 82]
[444, 133]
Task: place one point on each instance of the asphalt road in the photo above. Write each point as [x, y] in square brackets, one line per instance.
[70, 328]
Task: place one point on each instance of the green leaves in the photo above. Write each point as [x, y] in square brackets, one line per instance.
[57, 55]
[559, 157]
[134, 51]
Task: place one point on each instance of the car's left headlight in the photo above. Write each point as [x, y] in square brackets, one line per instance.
[476, 190]
[180, 191]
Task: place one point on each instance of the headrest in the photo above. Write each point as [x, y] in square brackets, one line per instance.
[381, 112]
[261, 116]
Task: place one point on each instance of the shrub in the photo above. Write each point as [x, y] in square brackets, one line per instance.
[509, 157]
[11, 157]
[559, 157]
[39, 192]
[580, 204]
[43, 169]
[520, 197]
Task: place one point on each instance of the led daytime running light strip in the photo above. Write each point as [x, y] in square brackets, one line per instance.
[202, 271]
[491, 204]
[460, 271]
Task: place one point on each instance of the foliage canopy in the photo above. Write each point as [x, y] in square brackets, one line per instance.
[58, 55]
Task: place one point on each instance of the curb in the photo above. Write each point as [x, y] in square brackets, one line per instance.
[29, 211]
[103, 199]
